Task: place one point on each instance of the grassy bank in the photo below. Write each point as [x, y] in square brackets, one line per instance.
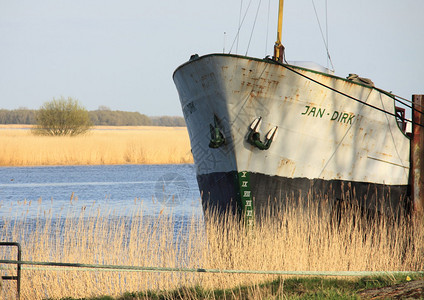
[294, 288]
[300, 238]
[104, 145]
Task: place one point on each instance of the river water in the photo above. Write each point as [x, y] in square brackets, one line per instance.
[115, 190]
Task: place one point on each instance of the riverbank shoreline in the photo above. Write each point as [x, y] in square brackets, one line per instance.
[99, 127]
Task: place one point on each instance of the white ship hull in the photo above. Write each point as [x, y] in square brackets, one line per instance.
[326, 142]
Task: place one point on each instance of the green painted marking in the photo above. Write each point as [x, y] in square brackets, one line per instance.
[320, 112]
[246, 198]
[317, 112]
[312, 111]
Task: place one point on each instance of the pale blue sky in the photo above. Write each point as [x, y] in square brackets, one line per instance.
[122, 53]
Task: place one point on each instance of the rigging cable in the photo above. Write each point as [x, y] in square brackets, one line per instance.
[322, 35]
[267, 27]
[326, 32]
[344, 94]
[340, 142]
[407, 100]
[393, 138]
[253, 28]
[241, 24]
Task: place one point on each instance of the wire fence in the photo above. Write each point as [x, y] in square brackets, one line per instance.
[93, 267]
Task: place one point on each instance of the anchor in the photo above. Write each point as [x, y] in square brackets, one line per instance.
[217, 136]
[254, 136]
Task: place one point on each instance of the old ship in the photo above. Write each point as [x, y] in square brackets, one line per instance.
[264, 131]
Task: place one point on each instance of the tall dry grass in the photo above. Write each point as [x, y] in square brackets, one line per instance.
[302, 237]
[132, 145]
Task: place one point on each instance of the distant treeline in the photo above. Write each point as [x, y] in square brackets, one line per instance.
[98, 117]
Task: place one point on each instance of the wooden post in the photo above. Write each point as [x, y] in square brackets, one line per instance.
[417, 154]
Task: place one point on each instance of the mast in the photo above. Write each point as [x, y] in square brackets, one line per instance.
[278, 47]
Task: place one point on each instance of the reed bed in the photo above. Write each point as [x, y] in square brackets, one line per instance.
[304, 236]
[103, 145]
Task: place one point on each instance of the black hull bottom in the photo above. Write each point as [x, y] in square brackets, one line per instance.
[228, 191]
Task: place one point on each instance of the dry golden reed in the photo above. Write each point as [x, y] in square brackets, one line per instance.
[302, 237]
[104, 145]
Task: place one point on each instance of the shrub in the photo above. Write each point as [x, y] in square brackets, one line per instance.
[62, 117]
